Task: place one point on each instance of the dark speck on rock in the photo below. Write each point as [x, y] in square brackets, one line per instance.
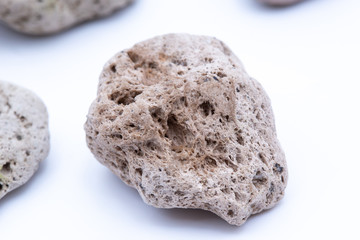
[278, 168]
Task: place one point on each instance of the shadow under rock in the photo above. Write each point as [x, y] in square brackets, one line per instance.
[22, 190]
[171, 218]
[195, 219]
[201, 219]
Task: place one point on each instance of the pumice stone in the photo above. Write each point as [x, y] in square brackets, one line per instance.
[177, 118]
[279, 2]
[24, 136]
[41, 17]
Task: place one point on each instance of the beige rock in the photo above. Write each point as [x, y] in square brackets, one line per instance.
[49, 16]
[279, 2]
[24, 136]
[178, 118]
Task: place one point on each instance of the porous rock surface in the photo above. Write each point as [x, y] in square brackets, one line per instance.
[178, 118]
[49, 16]
[24, 136]
[279, 2]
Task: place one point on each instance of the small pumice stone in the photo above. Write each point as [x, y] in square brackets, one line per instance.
[177, 118]
[280, 2]
[42, 17]
[24, 136]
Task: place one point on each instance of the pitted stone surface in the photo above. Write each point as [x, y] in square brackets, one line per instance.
[40, 17]
[179, 119]
[24, 136]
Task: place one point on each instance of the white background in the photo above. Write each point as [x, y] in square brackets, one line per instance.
[306, 56]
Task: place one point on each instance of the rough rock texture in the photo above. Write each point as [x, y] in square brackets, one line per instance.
[49, 16]
[24, 136]
[178, 118]
[279, 2]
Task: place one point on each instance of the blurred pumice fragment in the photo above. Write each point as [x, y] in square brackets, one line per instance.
[280, 2]
[42, 17]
